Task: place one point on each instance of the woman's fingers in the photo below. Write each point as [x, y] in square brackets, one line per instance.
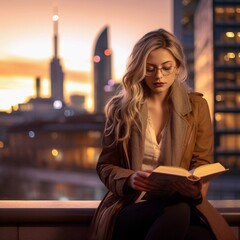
[187, 189]
[139, 181]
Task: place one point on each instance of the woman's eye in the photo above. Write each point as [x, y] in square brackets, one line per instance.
[150, 69]
[167, 68]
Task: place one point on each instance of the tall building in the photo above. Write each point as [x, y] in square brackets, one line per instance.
[56, 72]
[217, 73]
[47, 108]
[103, 83]
[183, 27]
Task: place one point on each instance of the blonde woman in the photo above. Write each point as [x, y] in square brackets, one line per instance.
[155, 120]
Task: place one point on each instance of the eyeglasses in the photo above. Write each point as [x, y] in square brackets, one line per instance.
[152, 70]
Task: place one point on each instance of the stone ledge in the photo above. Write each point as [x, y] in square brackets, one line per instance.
[50, 211]
[69, 220]
[55, 211]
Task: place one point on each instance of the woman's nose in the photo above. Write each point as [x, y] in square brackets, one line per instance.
[159, 73]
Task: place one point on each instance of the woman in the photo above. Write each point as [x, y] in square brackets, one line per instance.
[155, 120]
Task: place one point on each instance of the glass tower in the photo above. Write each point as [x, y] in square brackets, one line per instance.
[183, 27]
[226, 19]
[218, 50]
[102, 72]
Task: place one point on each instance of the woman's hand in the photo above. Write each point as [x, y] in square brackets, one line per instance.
[188, 189]
[139, 181]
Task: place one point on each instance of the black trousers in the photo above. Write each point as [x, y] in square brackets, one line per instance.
[153, 220]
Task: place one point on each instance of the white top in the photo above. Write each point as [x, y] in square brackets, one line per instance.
[152, 147]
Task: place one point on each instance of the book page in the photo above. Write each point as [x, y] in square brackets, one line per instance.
[165, 175]
[172, 170]
[208, 169]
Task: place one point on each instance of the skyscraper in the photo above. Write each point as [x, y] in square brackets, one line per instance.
[102, 72]
[56, 72]
[183, 12]
[217, 73]
[209, 29]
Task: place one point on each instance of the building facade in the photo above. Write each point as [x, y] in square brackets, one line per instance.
[217, 51]
[183, 27]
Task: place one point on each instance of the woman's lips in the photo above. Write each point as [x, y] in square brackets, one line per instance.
[159, 84]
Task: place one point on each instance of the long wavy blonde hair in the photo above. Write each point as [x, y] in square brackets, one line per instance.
[123, 109]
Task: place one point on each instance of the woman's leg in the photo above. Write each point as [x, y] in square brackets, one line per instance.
[134, 220]
[153, 220]
[172, 224]
[199, 230]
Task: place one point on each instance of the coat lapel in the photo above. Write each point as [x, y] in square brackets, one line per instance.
[177, 130]
[136, 145]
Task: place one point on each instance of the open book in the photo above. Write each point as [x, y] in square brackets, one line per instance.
[164, 175]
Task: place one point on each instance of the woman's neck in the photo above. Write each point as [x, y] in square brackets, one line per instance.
[159, 99]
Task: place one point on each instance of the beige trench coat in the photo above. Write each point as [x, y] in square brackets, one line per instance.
[189, 145]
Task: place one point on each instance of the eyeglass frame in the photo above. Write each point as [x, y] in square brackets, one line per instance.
[155, 69]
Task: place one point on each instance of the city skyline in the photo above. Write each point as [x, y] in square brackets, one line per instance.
[26, 45]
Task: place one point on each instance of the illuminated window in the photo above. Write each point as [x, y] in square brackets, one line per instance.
[227, 99]
[219, 10]
[91, 156]
[230, 78]
[219, 14]
[218, 98]
[220, 123]
[228, 58]
[230, 34]
[230, 122]
[26, 107]
[227, 14]
[237, 14]
[230, 14]
[229, 161]
[228, 142]
[230, 99]
[230, 55]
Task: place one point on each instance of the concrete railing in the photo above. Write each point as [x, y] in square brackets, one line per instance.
[69, 220]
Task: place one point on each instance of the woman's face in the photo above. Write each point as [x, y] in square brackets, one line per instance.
[161, 70]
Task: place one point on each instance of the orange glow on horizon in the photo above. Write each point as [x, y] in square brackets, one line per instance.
[16, 92]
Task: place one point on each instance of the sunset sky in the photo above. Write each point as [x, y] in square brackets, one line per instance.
[26, 41]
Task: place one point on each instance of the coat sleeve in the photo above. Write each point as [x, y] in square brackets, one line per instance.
[203, 149]
[112, 168]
